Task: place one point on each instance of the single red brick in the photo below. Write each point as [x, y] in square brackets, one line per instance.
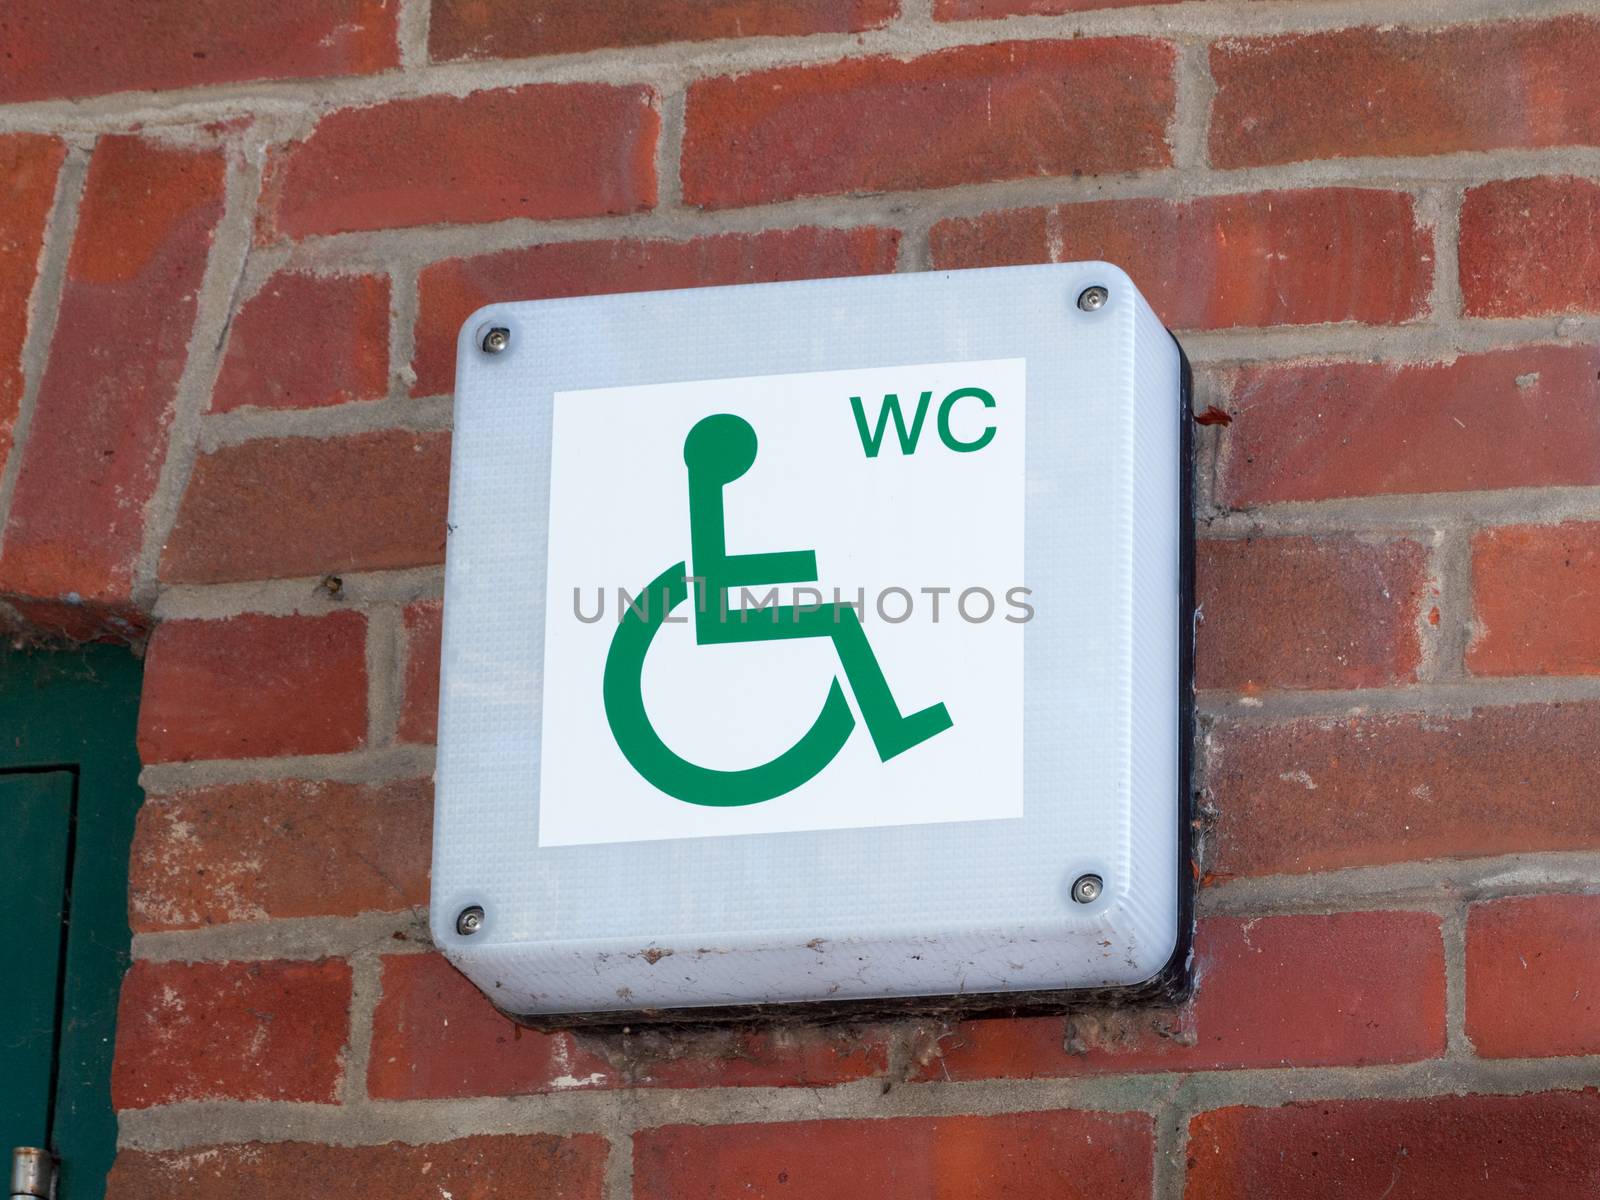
[1294, 991]
[1438, 1148]
[1306, 612]
[292, 848]
[1271, 258]
[254, 686]
[991, 10]
[131, 45]
[305, 341]
[486, 1167]
[1011, 110]
[542, 151]
[419, 706]
[436, 1037]
[99, 432]
[1396, 91]
[231, 1031]
[1525, 247]
[29, 164]
[1019, 1156]
[1321, 794]
[1536, 600]
[450, 291]
[1533, 976]
[518, 28]
[1528, 417]
[281, 507]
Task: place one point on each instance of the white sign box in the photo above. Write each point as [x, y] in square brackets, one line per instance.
[817, 641]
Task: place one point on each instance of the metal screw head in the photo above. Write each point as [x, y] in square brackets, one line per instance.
[1093, 298]
[470, 921]
[1086, 889]
[496, 340]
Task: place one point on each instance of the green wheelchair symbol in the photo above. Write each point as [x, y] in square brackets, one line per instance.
[718, 450]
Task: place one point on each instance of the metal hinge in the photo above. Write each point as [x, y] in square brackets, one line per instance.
[33, 1174]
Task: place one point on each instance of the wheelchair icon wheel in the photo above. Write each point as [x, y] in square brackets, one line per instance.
[656, 761]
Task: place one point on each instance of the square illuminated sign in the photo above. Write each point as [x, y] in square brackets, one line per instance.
[823, 638]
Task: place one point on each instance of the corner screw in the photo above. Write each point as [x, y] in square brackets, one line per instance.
[1086, 889]
[470, 921]
[496, 340]
[1092, 298]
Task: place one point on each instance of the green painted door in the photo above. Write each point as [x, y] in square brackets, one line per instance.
[69, 791]
[35, 842]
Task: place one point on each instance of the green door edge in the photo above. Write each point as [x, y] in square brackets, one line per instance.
[78, 709]
[36, 808]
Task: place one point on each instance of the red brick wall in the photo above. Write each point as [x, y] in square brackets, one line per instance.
[226, 332]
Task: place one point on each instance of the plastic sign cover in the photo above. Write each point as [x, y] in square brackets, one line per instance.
[812, 641]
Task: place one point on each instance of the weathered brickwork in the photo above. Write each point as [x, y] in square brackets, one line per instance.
[236, 242]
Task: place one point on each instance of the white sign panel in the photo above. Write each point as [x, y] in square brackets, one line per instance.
[817, 641]
[900, 489]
